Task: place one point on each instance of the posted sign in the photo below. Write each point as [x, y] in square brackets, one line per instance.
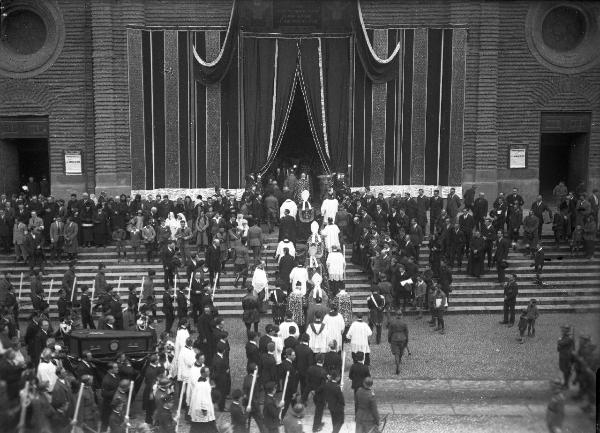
[518, 157]
[73, 163]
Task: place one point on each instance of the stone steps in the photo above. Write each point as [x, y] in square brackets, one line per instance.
[570, 283]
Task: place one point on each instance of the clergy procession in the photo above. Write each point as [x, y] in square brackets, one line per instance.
[312, 342]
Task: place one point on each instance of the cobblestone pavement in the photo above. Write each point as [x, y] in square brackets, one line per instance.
[475, 378]
[473, 347]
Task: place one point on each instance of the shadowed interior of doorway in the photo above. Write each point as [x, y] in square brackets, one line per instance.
[21, 158]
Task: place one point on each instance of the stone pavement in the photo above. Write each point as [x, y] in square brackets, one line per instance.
[518, 406]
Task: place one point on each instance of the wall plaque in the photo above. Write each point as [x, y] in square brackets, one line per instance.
[518, 157]
[73, 163]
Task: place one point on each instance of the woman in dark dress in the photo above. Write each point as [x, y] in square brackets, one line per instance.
[476, 256]
[100, 228]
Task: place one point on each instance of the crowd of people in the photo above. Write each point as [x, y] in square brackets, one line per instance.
[313, 315]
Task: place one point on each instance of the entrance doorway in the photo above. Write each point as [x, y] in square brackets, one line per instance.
[563, 156]
[297, 145]
[23, 158]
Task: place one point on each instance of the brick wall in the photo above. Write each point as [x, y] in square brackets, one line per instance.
[85, 92]
[506, 87]
[63, 92]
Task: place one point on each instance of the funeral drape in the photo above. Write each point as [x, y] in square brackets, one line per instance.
[272, 68]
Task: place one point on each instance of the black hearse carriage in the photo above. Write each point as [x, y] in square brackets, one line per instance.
[106, 346]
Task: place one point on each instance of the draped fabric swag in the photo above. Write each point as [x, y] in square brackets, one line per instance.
[214, 72]
[272, 68]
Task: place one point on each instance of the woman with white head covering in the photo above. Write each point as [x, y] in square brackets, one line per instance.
[173, 224]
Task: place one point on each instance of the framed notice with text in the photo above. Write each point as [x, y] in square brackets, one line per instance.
[73, 163]
[517, 157]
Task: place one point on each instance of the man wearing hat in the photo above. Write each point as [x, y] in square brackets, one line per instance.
[398, 338]
[489, 236]
[511, 290]
[376, 304]
[565, 347]
[118, 405]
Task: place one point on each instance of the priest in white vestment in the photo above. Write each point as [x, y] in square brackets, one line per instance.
[336, 265]
[284, 244]
[329, 208]
[358, 334]
[334, 326]
[299, 275]
[202, 411]
[317, 332]
[289, 205]
[331, 233]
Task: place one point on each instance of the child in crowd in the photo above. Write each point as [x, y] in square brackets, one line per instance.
[118, 237]
[522, 325]
[532, 315]
[576, 239]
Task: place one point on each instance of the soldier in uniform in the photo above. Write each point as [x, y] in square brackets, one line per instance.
[376, 304]
[398, 338]
[251, 315]
[565, 348]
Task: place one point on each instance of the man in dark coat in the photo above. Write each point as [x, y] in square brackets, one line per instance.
[252, 352]
[168, 309]
[213, 260]
[436, 204]
[62, 393]
[358, 372]
[288, 368]
[286, 264]
[271, 409]
[110, 383]
[287, 227]
[511, 290]
[502, 249]
[480, 210]
[153, 371]
[398, 338]
[39, 342]
[251, 314]
[457, 246]
[316, 379]
[334, 398]
[367, 415]
[304, 359]
[220, 375]
[169, 262]
[268, 366]
[86, 309]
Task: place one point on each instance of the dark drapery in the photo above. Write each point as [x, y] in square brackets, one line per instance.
[336, 78]
[287, 68]
[214, 72]
[377, 69]
[259, 71]
[272, 67]
[269, 82]
[314, 97]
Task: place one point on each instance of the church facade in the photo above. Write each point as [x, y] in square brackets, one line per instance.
[138, 96]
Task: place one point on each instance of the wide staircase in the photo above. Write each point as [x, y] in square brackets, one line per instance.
[570, 283]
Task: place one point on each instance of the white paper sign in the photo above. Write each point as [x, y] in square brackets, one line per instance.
[73, 163]
[518, 157]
